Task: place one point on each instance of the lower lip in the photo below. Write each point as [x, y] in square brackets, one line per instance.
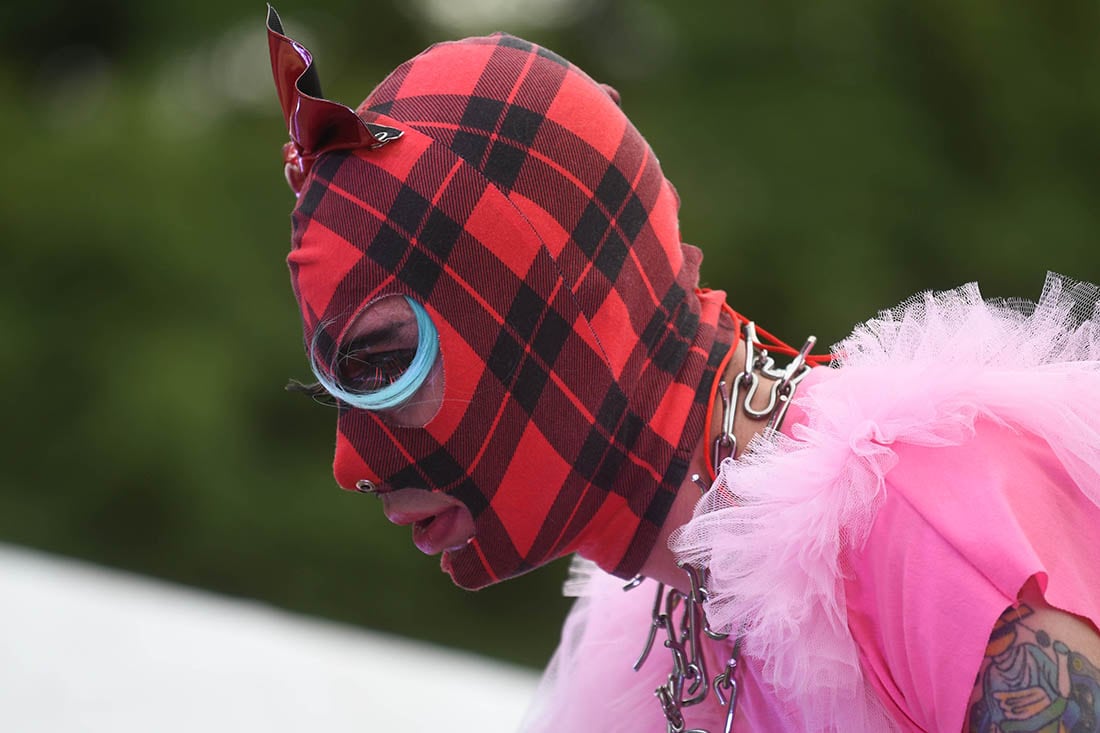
[434, 537]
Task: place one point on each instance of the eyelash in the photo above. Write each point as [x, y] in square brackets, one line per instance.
[366, 371]
[379, 380]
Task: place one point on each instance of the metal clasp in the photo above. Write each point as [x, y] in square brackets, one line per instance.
[725, 445]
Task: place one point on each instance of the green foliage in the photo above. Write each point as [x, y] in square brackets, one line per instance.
[832, 159]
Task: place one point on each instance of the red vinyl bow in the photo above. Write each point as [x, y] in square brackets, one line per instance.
[316, 125]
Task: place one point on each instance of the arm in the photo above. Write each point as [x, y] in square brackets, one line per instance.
[1041, 672]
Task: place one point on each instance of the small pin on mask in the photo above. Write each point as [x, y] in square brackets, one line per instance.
[363, 486]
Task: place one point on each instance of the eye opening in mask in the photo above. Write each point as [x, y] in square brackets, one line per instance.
[380, 379]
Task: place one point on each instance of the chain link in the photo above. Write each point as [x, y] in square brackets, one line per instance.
[689, 683]
[758, 364]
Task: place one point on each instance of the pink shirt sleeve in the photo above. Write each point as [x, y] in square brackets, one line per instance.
[961, 530]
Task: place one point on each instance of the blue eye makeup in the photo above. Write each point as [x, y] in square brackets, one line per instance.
[369, 375]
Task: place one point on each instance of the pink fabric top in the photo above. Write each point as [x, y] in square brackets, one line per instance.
[962, 529]
[952, 456]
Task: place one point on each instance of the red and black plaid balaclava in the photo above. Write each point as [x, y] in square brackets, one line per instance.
[504, 190]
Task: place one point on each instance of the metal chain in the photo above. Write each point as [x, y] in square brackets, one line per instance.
[757, 365]
[684, 622]
[689, 682]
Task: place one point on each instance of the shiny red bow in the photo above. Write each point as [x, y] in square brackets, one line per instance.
[316, 125]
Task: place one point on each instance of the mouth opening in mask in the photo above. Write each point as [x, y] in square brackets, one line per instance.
[388, 362]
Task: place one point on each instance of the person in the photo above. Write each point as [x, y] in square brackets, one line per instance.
[493, 291]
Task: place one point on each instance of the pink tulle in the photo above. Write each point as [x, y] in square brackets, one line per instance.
[590, 686]
[777, 528]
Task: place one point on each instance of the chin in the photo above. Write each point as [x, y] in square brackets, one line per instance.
[466, 567]
[461, 569]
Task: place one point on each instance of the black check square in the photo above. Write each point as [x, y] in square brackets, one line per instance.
[529, 385]
[440, 234]
[504, 164]
[470, 147]
[676, 471]
[388, 247]
[591, 454]
[715, 358]
[612, 256]
[653, 330]
[408, 209]
[609, 468]
[504, 358]
[526, 309]
[409, 476]
[309, 201]
[482, 113]
[671, 354]
[420, 273]
[658, 508]
[632, 218]
[590, 229]
[328, 166]
[474, 498]
[613, 189]
[441, 467]
[521, 124]
[551, 337]
[629, 431]
[324, 171]
[687, 322]
[614, 404]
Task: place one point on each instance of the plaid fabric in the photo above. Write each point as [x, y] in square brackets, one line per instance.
[534, 223]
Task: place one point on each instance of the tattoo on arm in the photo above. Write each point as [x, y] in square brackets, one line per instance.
[1030, 681]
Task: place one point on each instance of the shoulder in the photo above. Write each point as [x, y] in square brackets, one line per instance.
[1040, 671]
[926, 480]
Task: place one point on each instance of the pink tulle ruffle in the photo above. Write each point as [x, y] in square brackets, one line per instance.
[774, 529]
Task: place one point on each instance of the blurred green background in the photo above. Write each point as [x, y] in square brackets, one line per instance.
[832, 159]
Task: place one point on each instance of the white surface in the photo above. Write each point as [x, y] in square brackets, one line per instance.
[83, 648]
